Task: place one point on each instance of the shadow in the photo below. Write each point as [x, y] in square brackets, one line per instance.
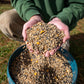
[19, 61]
[46, 76]
[77, 51]
[27, 58]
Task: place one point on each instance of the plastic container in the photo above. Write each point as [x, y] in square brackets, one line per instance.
[66, 54]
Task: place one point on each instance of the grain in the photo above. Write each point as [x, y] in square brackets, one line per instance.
[28, 68]
[44, 37]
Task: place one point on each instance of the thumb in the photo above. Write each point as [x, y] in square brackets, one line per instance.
[24, 34]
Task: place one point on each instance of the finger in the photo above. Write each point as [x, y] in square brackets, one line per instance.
[52, 52]
[31, 50]
[37, 52]
[56, 48]
[24, 34]
[29, 47]
[47, 54]
[50, 22]
[67, 36]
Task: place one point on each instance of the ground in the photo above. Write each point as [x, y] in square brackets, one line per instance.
[7, 47]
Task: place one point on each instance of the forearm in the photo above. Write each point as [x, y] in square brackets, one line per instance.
[71, 14]
[25, 8]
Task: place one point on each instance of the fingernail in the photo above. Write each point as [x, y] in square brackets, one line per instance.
[52, 52]
[47, 54]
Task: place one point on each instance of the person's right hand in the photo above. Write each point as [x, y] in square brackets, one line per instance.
[33, 20]
[63, 27]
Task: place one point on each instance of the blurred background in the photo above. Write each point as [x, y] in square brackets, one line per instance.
[7, 47]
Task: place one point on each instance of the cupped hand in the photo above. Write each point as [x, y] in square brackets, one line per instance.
[63, 27]
[33, 20]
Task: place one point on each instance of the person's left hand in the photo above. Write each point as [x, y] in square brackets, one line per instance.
[63, 27]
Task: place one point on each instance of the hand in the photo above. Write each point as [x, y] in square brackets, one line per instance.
[63, 27]
[33, 20]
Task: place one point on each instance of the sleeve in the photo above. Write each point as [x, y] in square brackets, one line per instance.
[25, 8]
[71, 14]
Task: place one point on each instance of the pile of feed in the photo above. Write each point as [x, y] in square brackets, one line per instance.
[38, 69]
[30, 68]
[43, 37]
